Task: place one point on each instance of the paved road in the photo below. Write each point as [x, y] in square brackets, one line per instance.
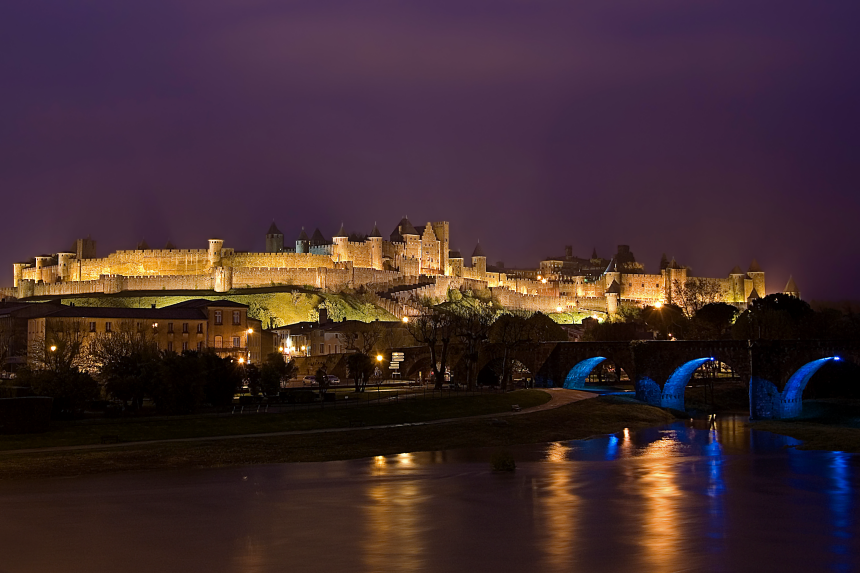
[559, 397]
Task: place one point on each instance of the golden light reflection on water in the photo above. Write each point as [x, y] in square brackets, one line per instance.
[395, 524]
[557, 508]
[654, 480]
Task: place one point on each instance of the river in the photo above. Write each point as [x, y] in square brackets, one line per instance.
[703, 496]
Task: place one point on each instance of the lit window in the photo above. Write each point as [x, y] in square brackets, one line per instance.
[92, 327]
[199, 328]
[236, 342]
[219, 342]
[185, 328]
[218, 317]
[237, 317]
[107, 327]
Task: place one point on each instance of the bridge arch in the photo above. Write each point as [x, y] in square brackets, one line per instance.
[579, 373]
[791, 399]
[673, 390]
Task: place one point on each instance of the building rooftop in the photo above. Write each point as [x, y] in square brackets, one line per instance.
[273, 229]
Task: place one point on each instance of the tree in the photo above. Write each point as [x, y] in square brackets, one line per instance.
[694, 293]
[712, 321]
[510, 331]
[775, 317]
[127, 361]
[273, 371]
[322, 379]
[471, 324]
[433, 327]
[179, 386]
[361, 368]
[221, 378]
[666, 321]
[70, 388]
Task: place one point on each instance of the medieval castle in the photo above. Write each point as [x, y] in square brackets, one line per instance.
[412, 261]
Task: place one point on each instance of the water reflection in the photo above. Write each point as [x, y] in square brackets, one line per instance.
[703, 495]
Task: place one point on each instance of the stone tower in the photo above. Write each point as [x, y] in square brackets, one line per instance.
[613, 295]
[18, 273]
[791, 288]
[479, 260]
[215, 248]
[65, 262]
[85, 248]
[340, 246]
[455, 262]
[375, 239]
[674, 276]
[612, 275]
[43, 272]
[736, 276]
[274, 240]
[442, 230]
[757, 276]
[303, 243]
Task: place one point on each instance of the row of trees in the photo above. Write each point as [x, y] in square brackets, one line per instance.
[129, 367]
[774, 317]
[470, 324]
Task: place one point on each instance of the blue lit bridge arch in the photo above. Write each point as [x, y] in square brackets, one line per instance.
[578, 375]
[791, 400]
[673, 391]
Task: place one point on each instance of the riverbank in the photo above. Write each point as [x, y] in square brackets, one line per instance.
[824, 425]
[577, 420]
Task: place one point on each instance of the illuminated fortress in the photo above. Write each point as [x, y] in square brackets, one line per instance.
[412, 262]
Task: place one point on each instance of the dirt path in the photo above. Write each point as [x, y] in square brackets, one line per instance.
[559, 397]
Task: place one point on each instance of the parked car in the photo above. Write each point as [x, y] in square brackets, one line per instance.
[333, 380]
[309, 381]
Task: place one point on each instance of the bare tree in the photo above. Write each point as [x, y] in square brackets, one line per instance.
[433, 328]
[694, 293]
[471, 325]
[510, 331]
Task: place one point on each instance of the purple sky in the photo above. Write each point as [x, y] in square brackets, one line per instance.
[714, 131]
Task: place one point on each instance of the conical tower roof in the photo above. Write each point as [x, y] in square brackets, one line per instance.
[273, 229]
[169, 246]
[594, 253]
[303, 236]
[341, 232]
[454, 254]
[736, 271]
[406, 228]
[753, 295]
[614, 288]
[317, 238]
[791, 287]
[754, 267]
[143, 245]
[478, 252]
[612, 267]
[375, 232]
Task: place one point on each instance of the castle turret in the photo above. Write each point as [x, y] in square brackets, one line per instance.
[611, 275]
[340, 246]
[757, 275]
[736, 277]
[442, 230]
[18, 273]
[613, 294]
[455, 262]
[375, 239]
[674, 278]
[479, 261]
[791, 288]
[303, 243]
[64, 265]
[43, 273]
[223, 279]
[215, 248]
[274, 239]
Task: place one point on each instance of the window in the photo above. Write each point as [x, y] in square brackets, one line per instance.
[236, 342]
[199, 328]
[184, 346]
[170, 347]
[92, 327]
[218, 317]
[322, 348]
[199, 346]
[184, 328]
[218, 342]
[107, 327]
[170, 328]
[237, 318]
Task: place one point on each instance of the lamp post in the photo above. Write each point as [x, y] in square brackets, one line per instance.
[250, 332]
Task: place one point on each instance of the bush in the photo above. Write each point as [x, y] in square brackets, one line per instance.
[503, 462]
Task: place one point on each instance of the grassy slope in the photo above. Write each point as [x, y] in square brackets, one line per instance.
[573, 421]
[824, 425]
[264, 302]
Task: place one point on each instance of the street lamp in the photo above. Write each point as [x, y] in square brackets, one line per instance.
[379, 357]
[53, 348]
[405, 319]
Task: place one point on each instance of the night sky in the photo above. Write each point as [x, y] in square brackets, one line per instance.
[713, 131]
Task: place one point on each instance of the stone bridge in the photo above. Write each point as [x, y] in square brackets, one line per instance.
[777, 370]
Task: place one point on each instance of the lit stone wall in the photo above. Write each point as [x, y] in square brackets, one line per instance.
[278, 261]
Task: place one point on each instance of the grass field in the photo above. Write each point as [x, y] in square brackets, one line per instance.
[417, 409]
[573, 421]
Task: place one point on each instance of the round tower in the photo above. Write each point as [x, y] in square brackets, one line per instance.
[303, 243]
[64, 265]
[375, 239]
[757, 275]
[274, 239]
[42, 270]
[613, 295]
[18, 273]
[215, 247]
[26, 288]
[340, 248]
[455, 263]
[479, 260]
[223, 279]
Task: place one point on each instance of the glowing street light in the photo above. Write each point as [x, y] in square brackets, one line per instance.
[405, 319]
[379, 357]
[558, 309]
[54, 349]
[658, 304]
[250, 331]
[241, 360]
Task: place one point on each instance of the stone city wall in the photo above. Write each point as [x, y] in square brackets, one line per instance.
[278, 261]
